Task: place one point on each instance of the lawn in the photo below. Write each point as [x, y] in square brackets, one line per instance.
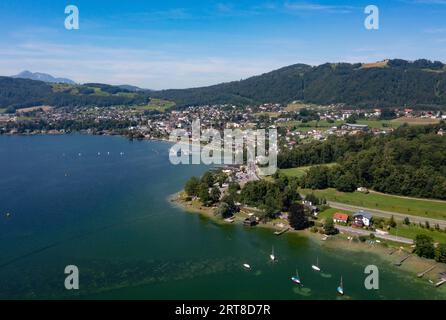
[410, 206]
[413, 230]
[300, 171]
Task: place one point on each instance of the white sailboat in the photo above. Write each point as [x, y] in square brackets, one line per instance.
[272, 256]
[246, 266]
[316, 266]
[296, 278]
[340, 289]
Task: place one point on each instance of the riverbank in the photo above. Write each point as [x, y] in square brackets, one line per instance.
[390, 252]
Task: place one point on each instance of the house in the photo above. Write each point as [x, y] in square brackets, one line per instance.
[362, 190]
[340, 217]
[251, 221]
[362, 218]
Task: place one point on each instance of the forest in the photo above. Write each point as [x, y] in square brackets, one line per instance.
[411, 161]
[420, 84]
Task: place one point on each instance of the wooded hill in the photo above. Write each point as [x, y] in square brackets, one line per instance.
[392, 83]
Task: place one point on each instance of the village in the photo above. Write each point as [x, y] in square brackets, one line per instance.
[295, 125]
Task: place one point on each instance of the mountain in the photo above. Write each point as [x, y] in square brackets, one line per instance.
[42, 77]
[390, 83]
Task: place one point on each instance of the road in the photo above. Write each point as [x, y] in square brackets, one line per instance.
[367, 233]
[388, 214]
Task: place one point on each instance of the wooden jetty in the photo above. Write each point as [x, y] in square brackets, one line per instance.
[280, 232]
[421, 274]
[400, 262]
[440, 283]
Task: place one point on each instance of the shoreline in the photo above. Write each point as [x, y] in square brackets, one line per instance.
[388, 251]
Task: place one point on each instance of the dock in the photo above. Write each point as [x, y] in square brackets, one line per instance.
[440, 283]
[421, 274]
[278, 233]
[399, 263]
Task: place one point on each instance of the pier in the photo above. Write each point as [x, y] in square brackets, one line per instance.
[421, 274]
[399, 263]
[278, 233]
[440, 283]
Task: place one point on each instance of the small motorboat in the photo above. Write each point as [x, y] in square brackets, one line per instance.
[246, 266]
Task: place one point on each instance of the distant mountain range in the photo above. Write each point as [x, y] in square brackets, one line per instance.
[419, 84]
[42, 77]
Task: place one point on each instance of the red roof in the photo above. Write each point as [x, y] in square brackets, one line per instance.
[340, 216]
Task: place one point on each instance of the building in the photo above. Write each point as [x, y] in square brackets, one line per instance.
[355, 127]
[362, 219]
[251, 221]
[340, 217]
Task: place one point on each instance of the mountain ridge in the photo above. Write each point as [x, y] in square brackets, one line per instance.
[39, 76]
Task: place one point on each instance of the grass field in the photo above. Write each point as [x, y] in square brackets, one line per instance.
[413, 230]
[157, 104]
[410, 206]
[300, 171]
[416, 121]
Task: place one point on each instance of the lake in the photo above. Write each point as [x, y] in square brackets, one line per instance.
[102, 203]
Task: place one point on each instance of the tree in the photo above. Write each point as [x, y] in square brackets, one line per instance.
[424, 246]
[297, 217]
[406, 221]
[224, 210]
[440, 253]
[329, 227]
[192, 186]
[427, 224]
[392, 222]
[208, 179]
[215, 194]
[203, 194]
[346, 183]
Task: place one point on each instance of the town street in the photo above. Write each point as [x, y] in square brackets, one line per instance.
[363, 232]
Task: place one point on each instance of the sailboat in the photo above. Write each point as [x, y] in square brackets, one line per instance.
[272, 256]
[246, 266]
[340, 289]
[296, 278]
[316, 266]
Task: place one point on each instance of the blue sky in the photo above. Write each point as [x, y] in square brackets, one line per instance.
[177, 44]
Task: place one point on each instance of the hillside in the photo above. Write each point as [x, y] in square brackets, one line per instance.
[22, 93]
[390, 83]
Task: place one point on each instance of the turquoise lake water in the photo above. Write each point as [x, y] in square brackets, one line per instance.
[109, 214]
